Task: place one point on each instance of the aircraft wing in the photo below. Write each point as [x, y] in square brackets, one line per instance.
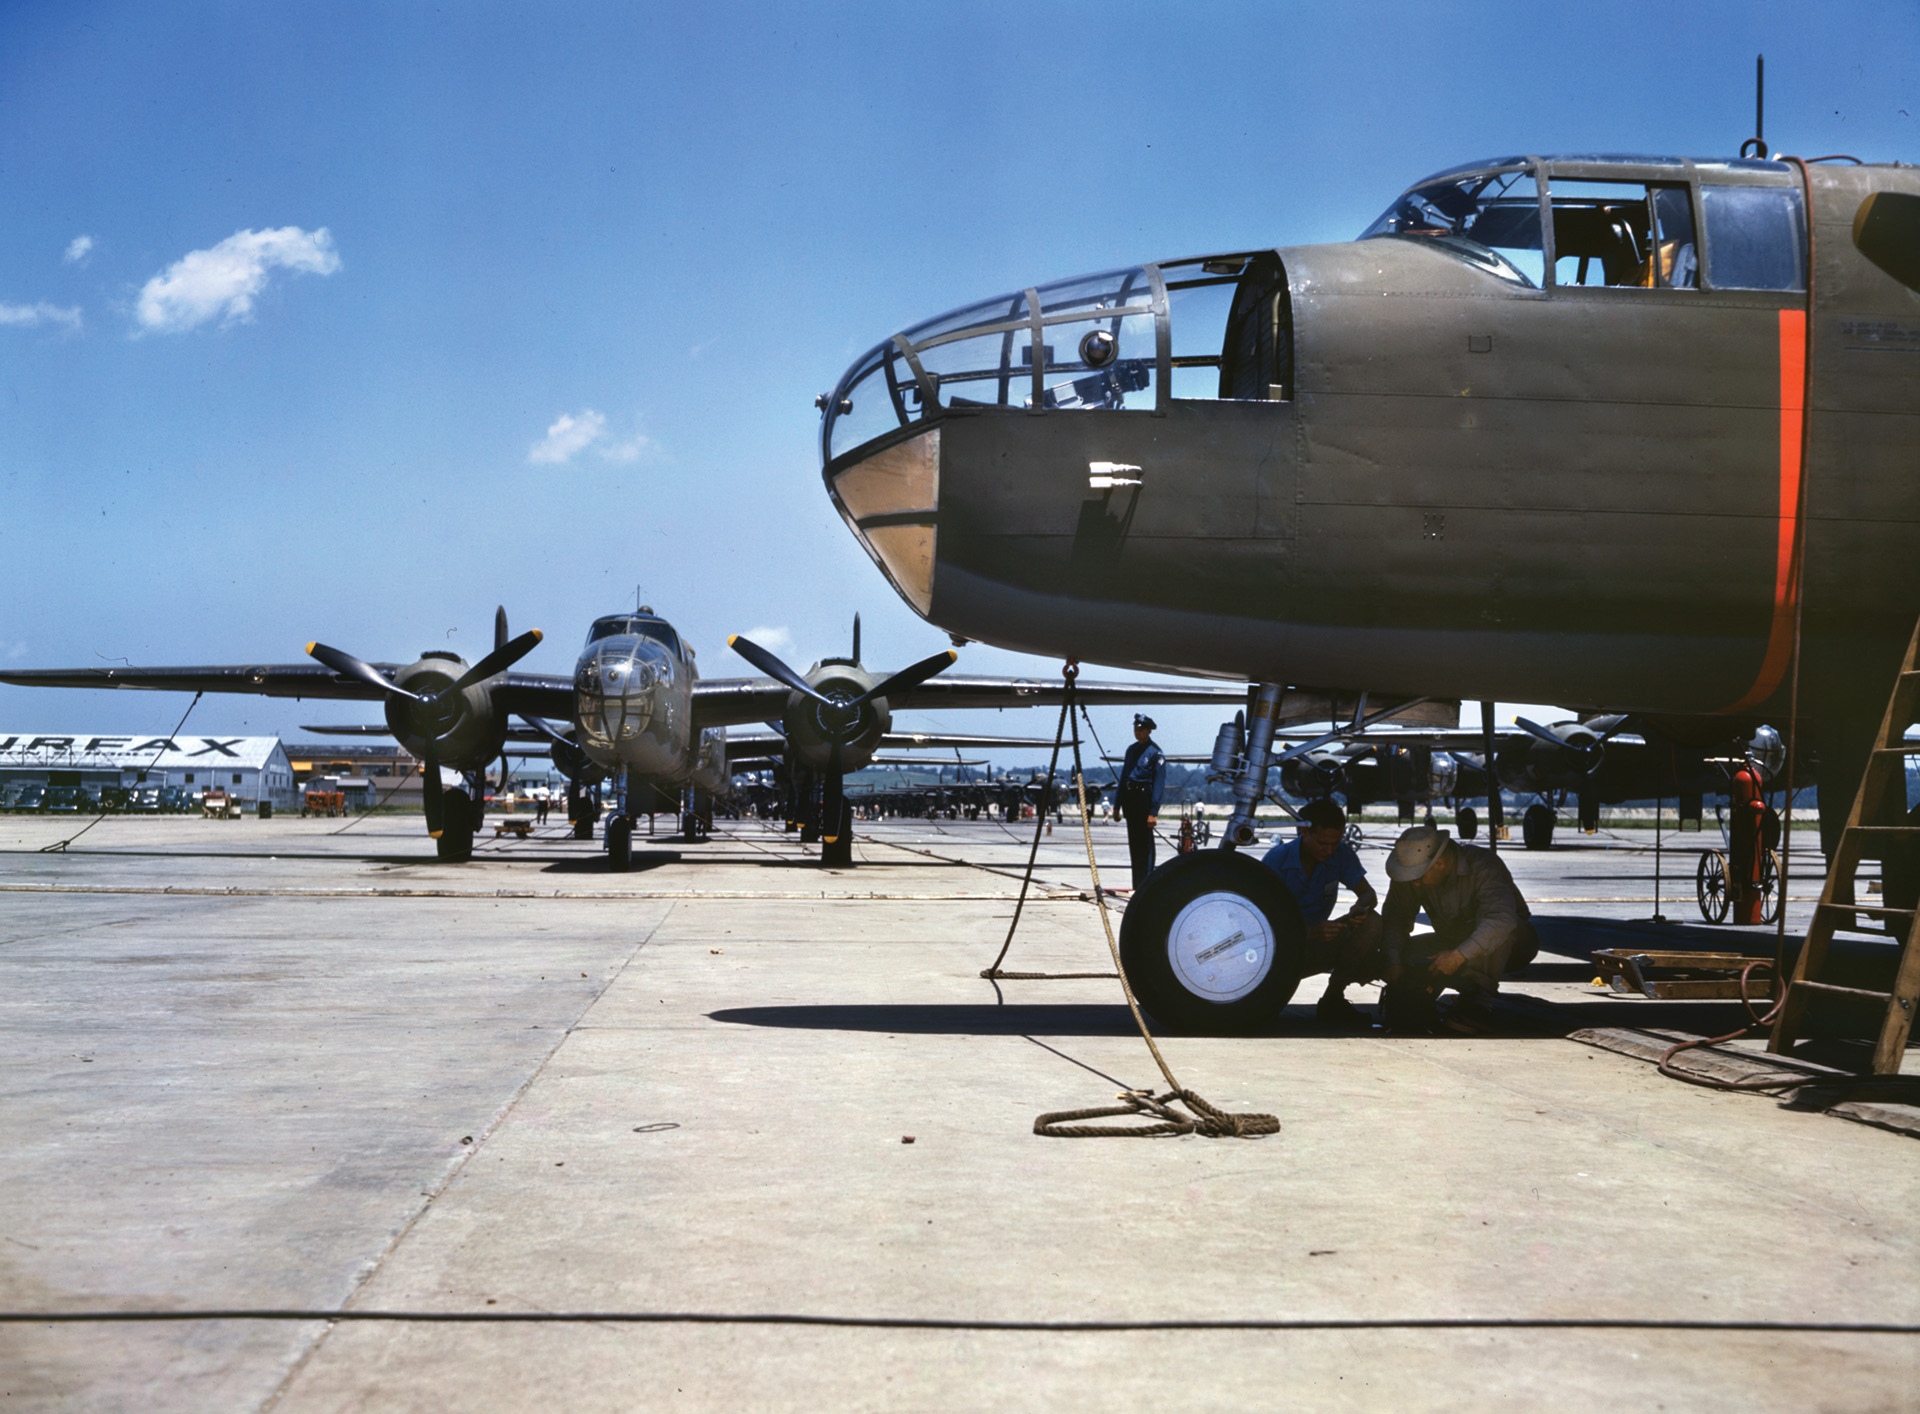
[534, 693]
[761, 744]
[721, 702]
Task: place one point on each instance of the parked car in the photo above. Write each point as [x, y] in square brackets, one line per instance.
[114, 797]
[62, 799]
[175, 800]
[144, 799]
[30, 796]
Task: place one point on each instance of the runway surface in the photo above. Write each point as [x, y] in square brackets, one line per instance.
[281, 1067]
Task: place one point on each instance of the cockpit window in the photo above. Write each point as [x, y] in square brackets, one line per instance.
[1755, 237]
[1634, 234]
[636, 625]
[1490, 219]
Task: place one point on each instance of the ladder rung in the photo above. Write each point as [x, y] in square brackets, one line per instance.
[1840, 991]
[1873, 910]
[1909, 748]
[1883, 829]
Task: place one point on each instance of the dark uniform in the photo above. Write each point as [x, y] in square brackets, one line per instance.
[1143, 775]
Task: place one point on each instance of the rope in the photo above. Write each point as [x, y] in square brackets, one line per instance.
[60, 846]
[992, 973]
[1207, 1121]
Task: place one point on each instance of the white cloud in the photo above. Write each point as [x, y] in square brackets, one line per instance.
[567, 437]
[78, 250]
[222, 282]
[774, 640]
[573, 433]
[627, 451]
[42, 313]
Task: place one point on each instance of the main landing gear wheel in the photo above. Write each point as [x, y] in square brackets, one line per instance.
[455, 845]
[1536, 827]
[1213, 943]
[1710, 885]
[1467, 821]
[619, 844]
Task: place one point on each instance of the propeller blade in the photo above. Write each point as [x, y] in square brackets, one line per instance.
[500, 626]
[430, 793]
[349, 666]
[856, 636]
[498, 661]
[1535, 729]
[772, 666]
[832, 798]
[909, 677]
[547, 730]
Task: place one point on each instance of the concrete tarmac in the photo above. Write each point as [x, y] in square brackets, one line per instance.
[277, 1067]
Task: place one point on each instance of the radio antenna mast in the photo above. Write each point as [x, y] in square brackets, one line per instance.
[1758, 142]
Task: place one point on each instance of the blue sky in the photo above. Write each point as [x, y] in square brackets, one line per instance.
[350, 321]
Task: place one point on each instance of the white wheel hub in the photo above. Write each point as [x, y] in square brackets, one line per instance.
[1221, 946]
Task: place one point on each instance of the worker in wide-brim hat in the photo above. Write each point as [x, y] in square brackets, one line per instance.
[1143, 777]
[1482, 929]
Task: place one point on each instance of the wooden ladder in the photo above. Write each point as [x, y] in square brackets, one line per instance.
[1886, 769]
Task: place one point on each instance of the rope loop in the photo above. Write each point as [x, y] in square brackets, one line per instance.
[1207, 1121]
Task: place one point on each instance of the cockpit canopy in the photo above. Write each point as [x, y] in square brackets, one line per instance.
[637, 625]
[1612, 220]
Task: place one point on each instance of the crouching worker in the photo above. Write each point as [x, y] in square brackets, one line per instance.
[1313, 865]
[1482, 929]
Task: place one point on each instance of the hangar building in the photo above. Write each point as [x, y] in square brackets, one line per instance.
[250, 768]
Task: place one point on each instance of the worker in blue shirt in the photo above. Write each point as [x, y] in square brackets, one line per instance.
[1313, 865]
[1143, 776]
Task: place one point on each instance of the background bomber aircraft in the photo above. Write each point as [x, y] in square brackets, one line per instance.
[636, 710]
[1616, 432]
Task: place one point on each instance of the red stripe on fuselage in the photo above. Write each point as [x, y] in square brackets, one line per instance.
[1786, 578]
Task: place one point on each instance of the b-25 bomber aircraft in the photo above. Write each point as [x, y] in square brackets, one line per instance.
[1617, 432]
[637, 710]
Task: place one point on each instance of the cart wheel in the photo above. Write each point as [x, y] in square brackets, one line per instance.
[1710, 884]
[1770, 887]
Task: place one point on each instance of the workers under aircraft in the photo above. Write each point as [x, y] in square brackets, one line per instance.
[1313, 865]
[1482, 929]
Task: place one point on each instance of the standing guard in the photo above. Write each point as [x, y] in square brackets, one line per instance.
[1143, 775]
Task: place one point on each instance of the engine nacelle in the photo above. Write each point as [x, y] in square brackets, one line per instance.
[813, 727]
[463, 732]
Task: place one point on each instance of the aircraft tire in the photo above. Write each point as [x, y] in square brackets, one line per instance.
[1174, 929]
[1466, 820]
[619, 844]
[1536, 827]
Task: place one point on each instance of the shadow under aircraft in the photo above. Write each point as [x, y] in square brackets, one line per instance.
[1630, 434]
[636, 711]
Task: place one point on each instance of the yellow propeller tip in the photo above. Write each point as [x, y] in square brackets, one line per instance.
[952, 657]
[732, 639]
[537, 635]
[313, 645]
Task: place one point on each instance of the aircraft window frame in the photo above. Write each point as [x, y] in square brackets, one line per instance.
[1130, 304]
[1480, 255]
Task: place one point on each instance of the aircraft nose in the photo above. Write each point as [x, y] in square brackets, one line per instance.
[617, 685]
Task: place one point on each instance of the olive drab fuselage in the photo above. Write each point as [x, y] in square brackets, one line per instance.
[1427, 466]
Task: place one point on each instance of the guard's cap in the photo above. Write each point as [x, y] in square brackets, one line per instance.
[1414, 853]
[1141, 719]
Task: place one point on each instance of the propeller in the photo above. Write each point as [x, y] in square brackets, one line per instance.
[438, 707]
[842, 715]
[1592, 753]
